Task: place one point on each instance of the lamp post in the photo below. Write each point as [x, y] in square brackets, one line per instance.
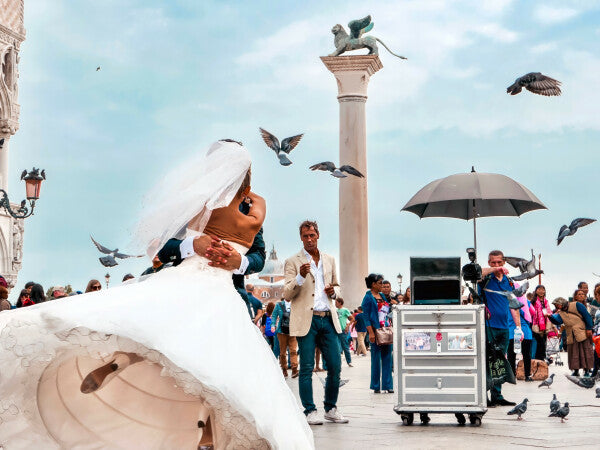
[107, 278]
[399, 278]
[33, 184]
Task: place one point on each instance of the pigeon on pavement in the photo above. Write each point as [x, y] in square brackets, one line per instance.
[527, 268]
[554, 403]
[283, 149]
[341, 172]
[110, 261]
[572, 229]
[342, 382]
[513, 303]
[519, 410]
[537, 83]
[584, 382]
[547, 382]
[562, 412]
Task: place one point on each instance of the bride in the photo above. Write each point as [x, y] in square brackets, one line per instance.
[171, 362]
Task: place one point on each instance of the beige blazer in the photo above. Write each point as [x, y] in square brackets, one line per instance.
[302, 298]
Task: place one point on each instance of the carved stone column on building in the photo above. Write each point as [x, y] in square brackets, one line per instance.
[352, 74]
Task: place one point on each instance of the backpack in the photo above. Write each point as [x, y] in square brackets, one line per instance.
[285, 318]
[268, 331]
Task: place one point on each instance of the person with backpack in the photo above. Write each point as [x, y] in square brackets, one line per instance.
[280, 324]
[266, 327]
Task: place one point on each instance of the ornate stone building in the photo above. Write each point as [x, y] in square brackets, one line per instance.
[12, 34]
[268, 284]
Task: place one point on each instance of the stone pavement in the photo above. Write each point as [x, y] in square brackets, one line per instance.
[374, 424]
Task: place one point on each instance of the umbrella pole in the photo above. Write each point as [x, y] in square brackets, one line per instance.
[475, 229]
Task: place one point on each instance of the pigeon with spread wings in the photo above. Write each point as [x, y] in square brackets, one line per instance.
[512, 296]
[537, 83]
[572, 229]
[340, 172]
[110, 261]
[527, 268]
[283, 149]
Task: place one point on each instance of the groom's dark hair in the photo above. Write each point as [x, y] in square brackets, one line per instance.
[245, 182]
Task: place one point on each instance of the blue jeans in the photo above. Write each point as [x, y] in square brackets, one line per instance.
[276, 347]
[499, 336]
[343, 337]
[322, 334]
[381, 367]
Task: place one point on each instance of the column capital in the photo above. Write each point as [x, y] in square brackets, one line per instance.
[352, 73]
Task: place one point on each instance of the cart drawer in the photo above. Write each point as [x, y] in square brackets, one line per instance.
[440, 381]
[441, 399]
[433, 318]
[439, 362]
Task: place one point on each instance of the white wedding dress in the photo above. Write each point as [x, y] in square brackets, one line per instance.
[203, 357]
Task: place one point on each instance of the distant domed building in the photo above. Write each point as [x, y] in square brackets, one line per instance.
[268, 283]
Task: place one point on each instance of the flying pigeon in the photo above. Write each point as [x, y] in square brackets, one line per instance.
[598, 392]
[1, 142]
[527, 268]
[287, 145]
[547, 382]
[519, 410]
[341, 172]
[572, 229]
[584, 382]
[98, 69]
[554, 404]
[537, 83]
[562, 412]
[110, 261]
[513, 303]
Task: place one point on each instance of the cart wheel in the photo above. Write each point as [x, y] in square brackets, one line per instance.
[460, 418]
[407, 419]
[475, 420]
[424, 418]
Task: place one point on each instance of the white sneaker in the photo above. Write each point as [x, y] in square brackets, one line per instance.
[334, 416]
[313, 419]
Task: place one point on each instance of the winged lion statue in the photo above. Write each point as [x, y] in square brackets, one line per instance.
[354, 41]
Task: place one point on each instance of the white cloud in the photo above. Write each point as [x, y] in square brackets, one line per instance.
[496, 6]
[549, 15]
[544, 48]
[496, 32]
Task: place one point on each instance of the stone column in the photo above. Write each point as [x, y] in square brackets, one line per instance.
[352, 74]
[4, 162]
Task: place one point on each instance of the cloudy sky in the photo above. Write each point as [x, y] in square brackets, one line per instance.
[179, 74]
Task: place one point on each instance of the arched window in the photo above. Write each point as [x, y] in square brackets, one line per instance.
[265, 294]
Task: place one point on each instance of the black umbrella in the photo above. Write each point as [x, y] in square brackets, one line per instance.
[471, 195]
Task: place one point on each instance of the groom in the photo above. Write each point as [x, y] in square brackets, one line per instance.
[220, 254]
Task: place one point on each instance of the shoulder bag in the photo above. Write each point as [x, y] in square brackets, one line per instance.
[384, 336]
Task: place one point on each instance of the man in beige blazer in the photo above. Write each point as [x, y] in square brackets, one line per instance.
[311, 286]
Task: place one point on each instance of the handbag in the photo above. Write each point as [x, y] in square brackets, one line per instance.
[535, 328]
[384, 336]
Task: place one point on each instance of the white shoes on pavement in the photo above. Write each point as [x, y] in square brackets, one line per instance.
[334, 416]
[313, 419]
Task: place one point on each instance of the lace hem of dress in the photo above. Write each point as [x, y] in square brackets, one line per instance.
[238, 431]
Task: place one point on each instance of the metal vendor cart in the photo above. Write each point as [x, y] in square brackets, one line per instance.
[439, 348]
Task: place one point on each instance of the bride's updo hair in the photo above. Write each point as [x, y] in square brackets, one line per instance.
[245, 183]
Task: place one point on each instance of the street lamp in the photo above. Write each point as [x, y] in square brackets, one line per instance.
[33, 184]
[399, 278]
[107, 278]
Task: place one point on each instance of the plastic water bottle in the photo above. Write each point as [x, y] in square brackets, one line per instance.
[517, 340]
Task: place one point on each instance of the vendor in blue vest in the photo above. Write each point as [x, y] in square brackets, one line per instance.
[497, 326]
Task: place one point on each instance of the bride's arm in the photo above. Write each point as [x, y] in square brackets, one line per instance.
[258, 211]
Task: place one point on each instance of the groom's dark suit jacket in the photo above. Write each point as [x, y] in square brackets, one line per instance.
[256, 258]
